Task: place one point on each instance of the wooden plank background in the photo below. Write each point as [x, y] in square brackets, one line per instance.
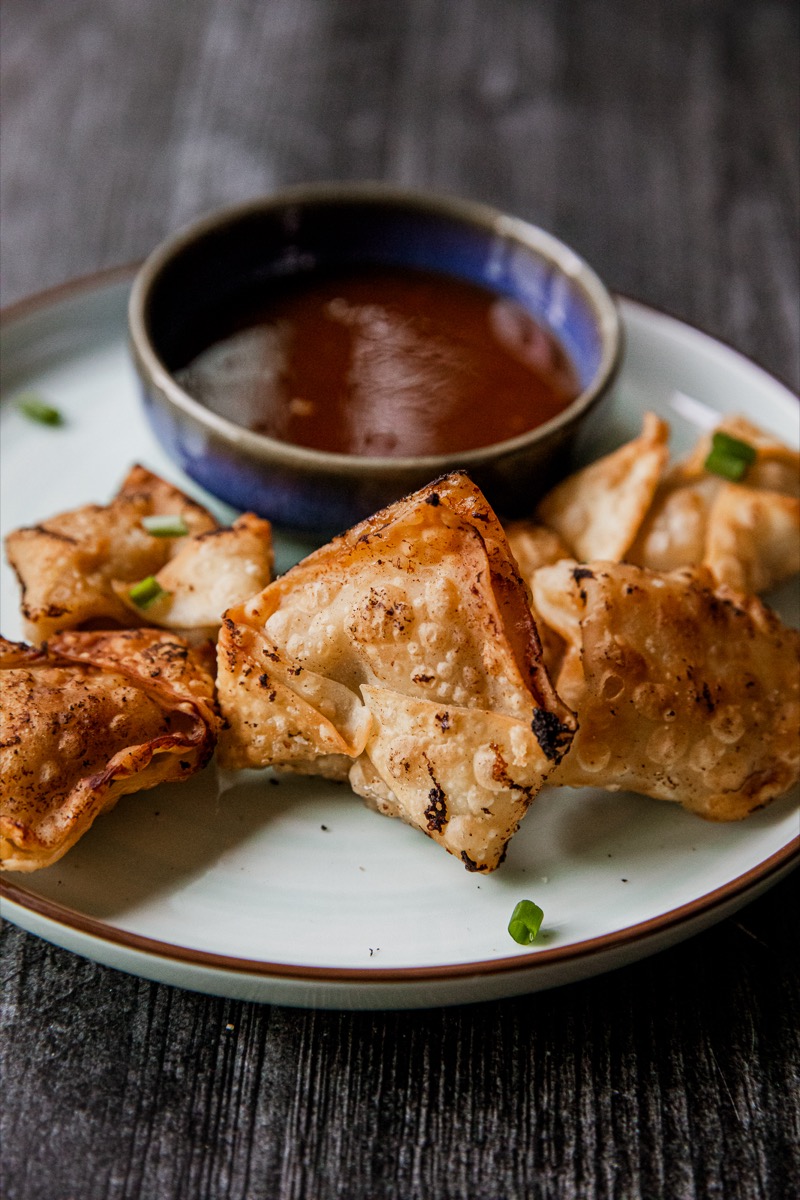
[659, 137]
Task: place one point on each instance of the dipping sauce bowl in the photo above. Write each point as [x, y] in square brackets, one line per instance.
[197, 288]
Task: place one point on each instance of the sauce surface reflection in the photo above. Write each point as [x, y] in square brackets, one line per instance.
[386, 362]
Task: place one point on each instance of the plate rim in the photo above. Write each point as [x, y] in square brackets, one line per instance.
[768, 870]
[779, 863]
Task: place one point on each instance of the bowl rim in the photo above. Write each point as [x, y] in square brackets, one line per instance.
[492, 220]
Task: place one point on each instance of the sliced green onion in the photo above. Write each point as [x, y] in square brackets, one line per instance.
[526, 921]
[35, 408]
[146, 592]
[165, 525]
[729, 457]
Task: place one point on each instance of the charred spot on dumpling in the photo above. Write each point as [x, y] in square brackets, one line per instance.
[433, 500]
[553, 737]
[470, 863]
[165, 652]
[436, 811]
[578, 574]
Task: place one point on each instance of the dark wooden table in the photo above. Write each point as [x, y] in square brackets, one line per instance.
[660, 139]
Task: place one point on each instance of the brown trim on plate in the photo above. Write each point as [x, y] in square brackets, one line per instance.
[77, 921]
[104, 277]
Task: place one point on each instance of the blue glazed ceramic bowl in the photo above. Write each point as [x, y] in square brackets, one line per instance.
[190, 280]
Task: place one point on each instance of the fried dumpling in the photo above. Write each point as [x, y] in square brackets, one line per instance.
[208, 574]
[632, 506]
[685, 690]
[673, 534]
[90, 718]
[753, 538]
[76, 569]
[599, 510]
[746, 533]
[417, 612]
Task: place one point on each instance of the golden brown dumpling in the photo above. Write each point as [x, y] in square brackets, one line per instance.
[415, 616]
[90, 718]
[631, 506]
[684, 689]
[534, 546]
[746, 533]
[753, 538]
[599, 510]
[76, 569]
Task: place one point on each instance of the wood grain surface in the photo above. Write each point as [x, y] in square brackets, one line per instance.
[659, 137]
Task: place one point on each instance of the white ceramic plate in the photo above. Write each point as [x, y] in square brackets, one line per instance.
[295, 893]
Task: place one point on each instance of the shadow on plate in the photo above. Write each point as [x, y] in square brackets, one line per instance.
[154, 844]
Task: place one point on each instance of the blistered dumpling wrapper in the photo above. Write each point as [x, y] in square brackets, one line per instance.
[746, 533]
[685, 690]
[76, 569]
[90, 718]
[414, 621]
[599, 510]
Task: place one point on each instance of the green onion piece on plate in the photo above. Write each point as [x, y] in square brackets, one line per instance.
[146, 592]
[525, 923]
[35, 408]
[729, 457]
[165, 525]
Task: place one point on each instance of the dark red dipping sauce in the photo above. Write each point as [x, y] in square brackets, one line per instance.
[384, 361]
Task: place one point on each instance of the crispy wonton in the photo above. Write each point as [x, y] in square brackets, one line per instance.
[91, 718]
[747, 533]
[207, 575]
[630, 506]
[685, 690]
[598, 510]
[76, 569]
[402, 655]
